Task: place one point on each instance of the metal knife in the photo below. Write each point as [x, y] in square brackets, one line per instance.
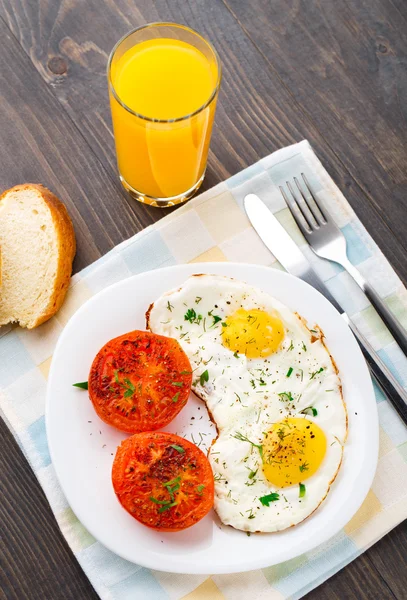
[278, 241]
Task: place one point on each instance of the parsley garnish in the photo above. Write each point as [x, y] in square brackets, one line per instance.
[252, 474]
[224, 324]
[169, 306]
[127, 384]
[262, 382]
[175, 398]
[302, 490]
[304, 467]
[200, 489]
[291, 346]
[177, 383]
[167, 506]
[281, 435]
[159, 501]
[316, 373]
[290, 370]
[179, 449]
[204, 377]
[273, 497]
[172, 486]
[215, 318]
[236, 354]
[198, 299]
[253, 384]
[286, 396]
[83, 385]
[192, 317]
[310, 410]
[130, 389]
[242, 438]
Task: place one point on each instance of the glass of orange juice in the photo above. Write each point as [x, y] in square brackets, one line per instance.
[163, 86]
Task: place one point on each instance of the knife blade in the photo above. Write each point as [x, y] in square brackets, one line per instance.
[286, 251]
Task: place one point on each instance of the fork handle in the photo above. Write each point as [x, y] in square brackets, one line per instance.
[383, 376]
[393, 324]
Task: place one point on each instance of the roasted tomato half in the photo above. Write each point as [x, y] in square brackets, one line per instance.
[163, 481]
[140, 381]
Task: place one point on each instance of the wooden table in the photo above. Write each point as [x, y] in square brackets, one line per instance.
[331, 71]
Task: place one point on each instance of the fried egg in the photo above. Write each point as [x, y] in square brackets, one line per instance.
[273, 391]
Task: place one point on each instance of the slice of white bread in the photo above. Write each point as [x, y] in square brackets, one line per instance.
[37, 242]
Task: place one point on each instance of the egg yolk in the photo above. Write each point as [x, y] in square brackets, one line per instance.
[293, 450]
[255, 333]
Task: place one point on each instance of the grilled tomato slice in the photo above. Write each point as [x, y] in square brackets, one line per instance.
[163, 481]
[140, 381]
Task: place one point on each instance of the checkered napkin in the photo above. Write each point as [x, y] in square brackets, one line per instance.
[213, 227]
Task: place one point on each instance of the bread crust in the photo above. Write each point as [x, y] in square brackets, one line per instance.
[67, 248]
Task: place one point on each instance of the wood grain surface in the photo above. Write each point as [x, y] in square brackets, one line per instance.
[333, 72]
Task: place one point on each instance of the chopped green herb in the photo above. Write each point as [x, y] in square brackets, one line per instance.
[290, 370]
[304, 347]
[304, 467]
[316, 373]
[262, 382]
[314, 330]
[329, 390]
[198, 299]
[169, 306]
[204, 377]
[177, 383]
[291, 346]
[281, 434]
[167, 506]
[224, 324]
[286, 396]
[302, 490]
[253, 384]
[215, 318]
[192, 317]
[159, 501]
[252, 474]
[83, 385]
[116, 375]
[179, 449]
[236, 354]
[186, 373]
[310, 410]
[200, 489]
[175, 398]
[238, 399]
[242, 438]
[273, 497]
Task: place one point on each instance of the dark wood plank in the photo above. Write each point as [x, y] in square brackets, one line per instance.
[257, 113]
[41, 144]
[345, 64]
[35, 561]
[359, 581]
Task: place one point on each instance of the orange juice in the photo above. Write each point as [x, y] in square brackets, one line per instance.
[163, 98]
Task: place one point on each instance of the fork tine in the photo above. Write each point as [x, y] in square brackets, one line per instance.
[310, 203]
[296, 212]
[317, 203]
[303, 207]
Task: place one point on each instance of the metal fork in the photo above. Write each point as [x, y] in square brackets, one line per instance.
[328, 241]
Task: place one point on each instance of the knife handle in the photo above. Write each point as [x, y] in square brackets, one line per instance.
[384, 377]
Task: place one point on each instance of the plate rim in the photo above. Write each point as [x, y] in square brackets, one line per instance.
[315, 541]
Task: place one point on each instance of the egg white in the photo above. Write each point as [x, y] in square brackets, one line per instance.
[248, 395]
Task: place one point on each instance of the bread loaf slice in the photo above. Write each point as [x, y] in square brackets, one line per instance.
[37, 242]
